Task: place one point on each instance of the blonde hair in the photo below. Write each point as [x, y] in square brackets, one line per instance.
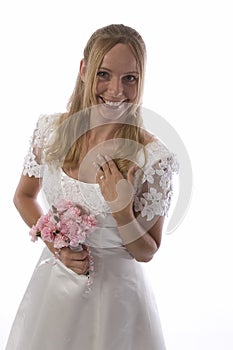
[74, 124]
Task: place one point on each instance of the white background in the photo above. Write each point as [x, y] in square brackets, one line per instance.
[189, 83]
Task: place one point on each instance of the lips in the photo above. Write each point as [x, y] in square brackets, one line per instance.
[112, 104]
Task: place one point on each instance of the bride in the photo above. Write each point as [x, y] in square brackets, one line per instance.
[99, 155]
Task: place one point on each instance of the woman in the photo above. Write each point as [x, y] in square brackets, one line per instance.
[98, 155]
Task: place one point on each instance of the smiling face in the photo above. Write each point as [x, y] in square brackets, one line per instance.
[117, 80]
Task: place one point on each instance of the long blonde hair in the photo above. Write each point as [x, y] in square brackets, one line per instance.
[74, 124]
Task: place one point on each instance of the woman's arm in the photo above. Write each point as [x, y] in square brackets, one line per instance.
[25, 199]
[142, 239]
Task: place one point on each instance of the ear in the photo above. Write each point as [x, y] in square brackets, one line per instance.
[82, 70]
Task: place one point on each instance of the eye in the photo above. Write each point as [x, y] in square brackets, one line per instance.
[103, 75]
[130, 78]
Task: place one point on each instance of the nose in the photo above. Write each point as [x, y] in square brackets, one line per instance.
[115, 87]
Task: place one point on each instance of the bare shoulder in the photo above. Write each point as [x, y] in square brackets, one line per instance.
[147, 137]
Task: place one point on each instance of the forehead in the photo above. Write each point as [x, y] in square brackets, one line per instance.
[120, 57]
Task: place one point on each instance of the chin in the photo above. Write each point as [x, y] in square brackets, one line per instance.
[112, 114]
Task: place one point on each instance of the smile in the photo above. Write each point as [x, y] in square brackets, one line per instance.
[112, 104]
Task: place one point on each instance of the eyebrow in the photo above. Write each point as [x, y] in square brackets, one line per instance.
[109, 70]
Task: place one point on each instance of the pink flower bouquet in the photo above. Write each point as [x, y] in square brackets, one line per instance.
[66, 224]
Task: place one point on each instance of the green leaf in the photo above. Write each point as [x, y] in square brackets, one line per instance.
[54, 209]
[56, 218]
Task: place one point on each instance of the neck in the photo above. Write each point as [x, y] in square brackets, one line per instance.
[102, 133]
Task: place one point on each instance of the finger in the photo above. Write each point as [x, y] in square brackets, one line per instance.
[100, 177]
[77, 255]
[80, 266]
[131, 172]
[100, 160]
[98, 168]
[84, 268]
[99, 173]
[81, 256]
[111, 164]
[104, 164]
[80, 271]
[78, 262]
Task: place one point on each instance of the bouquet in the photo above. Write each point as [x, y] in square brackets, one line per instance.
[66, 224]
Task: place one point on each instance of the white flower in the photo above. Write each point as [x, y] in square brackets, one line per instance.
[148, 175]
[150, 204]
[153, 195]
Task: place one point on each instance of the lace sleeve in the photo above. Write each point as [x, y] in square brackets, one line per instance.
[154, 182]
[34, 160]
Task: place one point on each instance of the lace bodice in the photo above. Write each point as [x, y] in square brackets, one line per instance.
[153, 181]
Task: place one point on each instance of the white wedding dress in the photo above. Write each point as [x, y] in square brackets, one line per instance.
[118, 310]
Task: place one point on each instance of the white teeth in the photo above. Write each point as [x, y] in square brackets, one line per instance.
[113, 104]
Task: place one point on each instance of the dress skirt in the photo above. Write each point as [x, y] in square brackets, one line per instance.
[62, 311]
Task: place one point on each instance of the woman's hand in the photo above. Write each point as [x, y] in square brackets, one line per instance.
[116, 190]
[141, 242]
[78, 261]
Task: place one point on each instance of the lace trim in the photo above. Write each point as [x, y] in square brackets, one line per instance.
[33, 163]
[158, 177]
[31, 167]
[153, 183]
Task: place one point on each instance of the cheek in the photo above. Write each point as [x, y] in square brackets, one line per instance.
[131, 92]
[100, 87]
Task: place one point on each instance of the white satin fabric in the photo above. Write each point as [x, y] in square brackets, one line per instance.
[59, 312]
